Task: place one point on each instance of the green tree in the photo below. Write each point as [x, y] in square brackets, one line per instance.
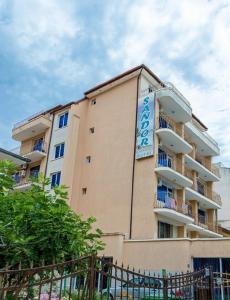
[38, 225]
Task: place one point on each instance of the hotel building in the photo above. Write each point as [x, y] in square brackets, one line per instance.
[133, 155]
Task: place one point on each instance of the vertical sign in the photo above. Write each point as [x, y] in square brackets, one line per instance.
[145, 126]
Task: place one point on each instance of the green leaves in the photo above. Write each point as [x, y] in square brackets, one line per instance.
[7, 169]
[39, 226]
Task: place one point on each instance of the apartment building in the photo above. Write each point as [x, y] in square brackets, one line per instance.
[134, 156]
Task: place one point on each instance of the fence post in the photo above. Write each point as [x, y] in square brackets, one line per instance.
[92, 277]
[165, 285]
[209, 275]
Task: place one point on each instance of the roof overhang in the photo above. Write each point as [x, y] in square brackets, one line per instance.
[15, 158]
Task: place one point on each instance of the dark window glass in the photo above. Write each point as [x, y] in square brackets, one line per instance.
[164, 230]
[55, 179]
[59, 150]
[63, 120]
[62, 150]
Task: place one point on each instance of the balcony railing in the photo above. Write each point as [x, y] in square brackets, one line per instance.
[203, 135]
[163, 200]
[216, 198]
[166, 122]
[165, 160]
[202, 222]
[176, 91]
[20, 123]
[215, 170]
[39, 146]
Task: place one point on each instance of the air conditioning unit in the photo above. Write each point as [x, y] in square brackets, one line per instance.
[23, 173]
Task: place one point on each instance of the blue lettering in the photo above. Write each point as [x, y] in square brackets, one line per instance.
[144, 142]
[144, 124]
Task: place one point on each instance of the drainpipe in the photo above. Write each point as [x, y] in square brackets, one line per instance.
[134, 159]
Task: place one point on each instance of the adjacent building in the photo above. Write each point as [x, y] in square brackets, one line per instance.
[223, 188]
[134, 156]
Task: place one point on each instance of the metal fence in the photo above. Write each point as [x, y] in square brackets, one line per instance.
[221, 286]
[97, 278]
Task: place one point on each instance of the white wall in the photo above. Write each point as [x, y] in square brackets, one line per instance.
[59, 135]
[223, 188]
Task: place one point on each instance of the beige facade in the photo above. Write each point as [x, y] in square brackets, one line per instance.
[164, 201]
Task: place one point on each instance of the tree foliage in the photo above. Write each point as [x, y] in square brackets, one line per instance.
[38, 225]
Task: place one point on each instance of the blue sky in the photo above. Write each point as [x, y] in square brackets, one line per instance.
[51, 51]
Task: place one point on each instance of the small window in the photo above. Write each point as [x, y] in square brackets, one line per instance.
[88, 159]
[84, 191]
[93, 101]
[55, 179]
[63, 120]
[59, 150]
[165, 230]
[91, 130]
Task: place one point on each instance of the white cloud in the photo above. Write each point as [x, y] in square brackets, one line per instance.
[183, 42]
[42, 33]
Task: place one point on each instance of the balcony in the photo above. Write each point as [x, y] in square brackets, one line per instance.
[21, 183]
[38, 151]
[204, 231]
[174, 103]
[168, 207]
[165, 167]
[200, 195]
[30, 127]
[203, 172]
[206, 145]
[170, 138]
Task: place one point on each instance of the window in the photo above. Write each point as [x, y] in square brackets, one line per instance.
[165, 230]
[55, 179]
[164, 193]
[84, 191]
[34, 171]
[201, 216]
[88, 159]
[93, 102]
[63, 120]
[59, 150]
[91, 130]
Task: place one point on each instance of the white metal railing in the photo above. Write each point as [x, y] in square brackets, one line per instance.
[172, 87]
[203, 136]
[165, 160]
[18, 124]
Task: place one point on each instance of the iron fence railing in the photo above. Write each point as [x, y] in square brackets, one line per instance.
[94, 278]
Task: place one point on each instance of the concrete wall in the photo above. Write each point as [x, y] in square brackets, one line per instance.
[174, 255]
